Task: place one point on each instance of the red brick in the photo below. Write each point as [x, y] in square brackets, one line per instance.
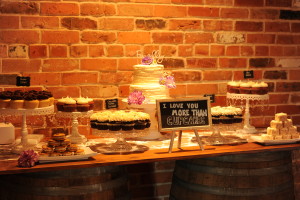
[17, 65]
[59, 8]
[199, 38]
[102, 91]
[200, 89]
[175, 24]
[200, 2]
[287, 86]
[60, 37]
[203, 11]
[128, 63]
[277, 27]
[253, 3]
[40, 22]
[216, 75]
[278, 98]
[99, 64]
[98, 37]
[295, 98]
[115, 50]
[120, 24]
[97, 9]
[248, 26]
[3, 51]
[295, 27]
[185, 50]
[289, 109]
[19, 36]
[279, 3]
[259, 122]
[265, 110]
[170, 11]
[19, 7]
[232, 51]
[179, 91]
[37, 51]
[78, 51]
[247, 51]
[58, 51]
[215, 25]
[78, 23]
[238, 13]
[289, 51]
[131, 50]
[294, 75]
[9, 22]
[233, 62]
[41, 78]
[64, 91]
[75, 78]
[167, 37]
[217, 50]
[134, 37]
[56, 65]
[219, 2]
[261, 38]
[264, 14]
[96, 50]
[168, 50]
[123, 90]
[202, 50]
[262, 51]
[181, 76]
[122, 77]
[148, 49]
[201, 63]
[286, 39]
[138, 10]
[276, 51]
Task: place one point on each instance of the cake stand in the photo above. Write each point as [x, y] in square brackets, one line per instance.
[27, 141]
[75, 136]
[248, 129]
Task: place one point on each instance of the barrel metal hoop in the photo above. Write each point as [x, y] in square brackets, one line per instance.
[231, 191]
[234, 172]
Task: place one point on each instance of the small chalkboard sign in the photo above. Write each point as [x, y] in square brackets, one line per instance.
[248, 74]
[111, 103]
[23, 81]
[183, 114]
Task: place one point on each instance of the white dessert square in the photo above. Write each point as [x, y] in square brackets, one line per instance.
[276, 124]
[287, 123]
[272, 131]
[280, 116]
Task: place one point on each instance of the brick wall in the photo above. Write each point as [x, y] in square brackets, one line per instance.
[88, 48]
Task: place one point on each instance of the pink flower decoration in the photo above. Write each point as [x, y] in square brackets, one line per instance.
[147, 60]
[136, 97]
[28, 158]
[167, 80]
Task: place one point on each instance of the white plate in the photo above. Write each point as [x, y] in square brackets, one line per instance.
[87, 153]
[274, 142]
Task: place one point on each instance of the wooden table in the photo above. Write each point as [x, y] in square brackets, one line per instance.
[10, 167]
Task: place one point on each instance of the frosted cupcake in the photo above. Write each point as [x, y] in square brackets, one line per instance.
[60, 104]
[245, 88]
[102, 121]
[128, 121]
[115, 121]
[233, 87]
[31, 102]
[70, 105]
[5, 99]
[82, 105]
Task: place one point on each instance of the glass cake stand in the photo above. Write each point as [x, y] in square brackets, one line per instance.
[121, 145]
[75, 136]
[27, 141]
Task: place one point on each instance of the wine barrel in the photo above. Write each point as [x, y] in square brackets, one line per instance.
[105, 183]
[259, 176]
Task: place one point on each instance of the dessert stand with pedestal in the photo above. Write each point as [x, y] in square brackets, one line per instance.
[121, 145]
[75, 136]
[248, 129]
[27, 141]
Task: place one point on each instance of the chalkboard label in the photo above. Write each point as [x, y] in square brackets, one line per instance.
[248, 74]
[111, 103]
[183, 114]
[23, 81]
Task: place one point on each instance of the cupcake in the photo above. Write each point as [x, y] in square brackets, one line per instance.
[128, 121]
[245, 88]
[264, 88]
[233, 87]
[17, 101]
[70, 105]
[91, 103]
[5, 98]
[82, 105]
[115, 121]
[60, 104]
[30, 101]
[256, 88]
[50, 97]
[43, 99]
[141, 121]
[93, 120]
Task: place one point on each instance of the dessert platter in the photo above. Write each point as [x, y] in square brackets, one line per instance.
[60, 149]
[15, 103]
[121, 124]
[73, 109]
[280, 131]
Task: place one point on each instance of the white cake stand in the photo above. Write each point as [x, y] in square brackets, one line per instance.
[27, 141]
[75, 136]
[248, 129]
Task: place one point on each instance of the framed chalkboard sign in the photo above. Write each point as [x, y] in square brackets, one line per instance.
[183, 114]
